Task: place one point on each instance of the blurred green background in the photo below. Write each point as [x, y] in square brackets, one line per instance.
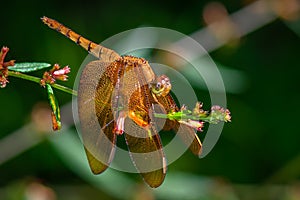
[258, 153]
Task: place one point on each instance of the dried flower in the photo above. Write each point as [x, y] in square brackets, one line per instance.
[3, 81]
[198, 109]
[4, 67]
[55, 74]
[183, 108]
[218, 114]
[61, 74]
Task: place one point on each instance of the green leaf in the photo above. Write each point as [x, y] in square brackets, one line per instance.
[56, 123]
[28, 66]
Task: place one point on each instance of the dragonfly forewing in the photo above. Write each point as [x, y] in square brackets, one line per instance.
[95, 114]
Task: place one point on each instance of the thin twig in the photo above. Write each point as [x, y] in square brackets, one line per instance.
[37, 80]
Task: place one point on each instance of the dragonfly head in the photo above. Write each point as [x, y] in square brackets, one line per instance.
[161, 86]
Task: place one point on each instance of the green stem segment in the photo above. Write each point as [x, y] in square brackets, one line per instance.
[64, 89]
[180, 116]
[24, 76]
[37, 80]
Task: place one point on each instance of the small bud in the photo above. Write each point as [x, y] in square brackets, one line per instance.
[9, 63]
[62, 71]
[3, 53]
[56, 125]
[3, 81]
[183, 108]
[220, 114]
[55, 74]
[61, 74]
[4, 67]
[198, 111]
[227, 116]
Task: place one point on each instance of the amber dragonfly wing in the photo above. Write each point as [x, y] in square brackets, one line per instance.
[95, 114]
[146, 152]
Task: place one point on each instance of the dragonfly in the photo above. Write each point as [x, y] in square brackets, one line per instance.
[118, 95]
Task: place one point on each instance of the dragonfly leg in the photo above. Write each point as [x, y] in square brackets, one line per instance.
[119, 126]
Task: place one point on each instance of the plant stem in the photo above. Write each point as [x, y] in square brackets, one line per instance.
[24, 76]
[37, 80]
[159, 115]
[65, 89]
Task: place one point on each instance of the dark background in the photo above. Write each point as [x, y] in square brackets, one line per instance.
[257, 155]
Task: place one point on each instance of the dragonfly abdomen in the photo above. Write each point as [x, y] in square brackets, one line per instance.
[93, 48]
